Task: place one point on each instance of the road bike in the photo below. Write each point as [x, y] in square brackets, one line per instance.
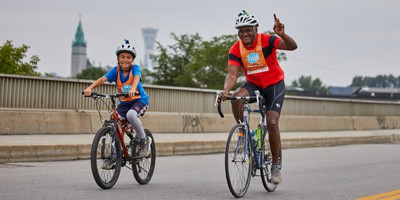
[243, 155]
[109, 152]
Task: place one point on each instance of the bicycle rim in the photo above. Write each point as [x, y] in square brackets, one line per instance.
[237, 165]
[266, 170]
[105, 158]
[143, 168]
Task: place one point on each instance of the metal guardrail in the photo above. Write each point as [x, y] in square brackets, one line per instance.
[27, 92]
[57, 93]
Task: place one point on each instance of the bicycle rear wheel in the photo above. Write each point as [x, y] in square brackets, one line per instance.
[106, 158]
[143, 168]
[266, 169]
[237, 165]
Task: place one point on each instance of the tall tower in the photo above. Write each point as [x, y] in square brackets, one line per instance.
[149, 36]
[78, 56]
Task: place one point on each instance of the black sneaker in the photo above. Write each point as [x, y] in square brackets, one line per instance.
[144, 147]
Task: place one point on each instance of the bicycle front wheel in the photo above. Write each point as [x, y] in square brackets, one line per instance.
[106, 158]
[237, 162]
[143, 168]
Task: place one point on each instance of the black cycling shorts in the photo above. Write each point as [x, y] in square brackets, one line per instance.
[273, 94]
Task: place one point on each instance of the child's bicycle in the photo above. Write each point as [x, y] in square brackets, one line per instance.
[243, 155]
[109, 152]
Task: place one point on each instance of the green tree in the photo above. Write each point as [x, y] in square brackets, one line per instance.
[92, 73]
[310, 85]
[381, 81]
[209, 65]
[11, 60]
[171, 61]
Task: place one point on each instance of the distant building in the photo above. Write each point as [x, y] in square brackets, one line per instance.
[342, 91]
[79, 61]
[149, 37]
[372, 93]
[379, 93]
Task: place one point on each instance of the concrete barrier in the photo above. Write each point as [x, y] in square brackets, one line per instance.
[20, 122]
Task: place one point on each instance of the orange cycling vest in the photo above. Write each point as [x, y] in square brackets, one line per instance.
[253, 60]
[123, 88]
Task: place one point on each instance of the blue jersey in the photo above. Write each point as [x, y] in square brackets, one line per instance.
[112, 76]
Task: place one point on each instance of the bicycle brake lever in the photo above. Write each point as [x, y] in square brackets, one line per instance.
[218, 93]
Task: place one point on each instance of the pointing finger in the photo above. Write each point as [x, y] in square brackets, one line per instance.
[276, 19]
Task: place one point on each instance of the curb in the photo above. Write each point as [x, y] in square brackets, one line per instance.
[40, 153]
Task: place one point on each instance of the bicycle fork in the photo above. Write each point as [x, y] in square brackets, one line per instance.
[112, 154]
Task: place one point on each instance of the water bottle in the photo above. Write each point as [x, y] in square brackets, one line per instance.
[254, 137]
[259, 137]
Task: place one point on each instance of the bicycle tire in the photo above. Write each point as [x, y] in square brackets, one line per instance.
[105, 171]
[266, 169]
[237, 164]
[143, 168]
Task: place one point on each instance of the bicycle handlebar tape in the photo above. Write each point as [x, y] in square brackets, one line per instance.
[220, 111]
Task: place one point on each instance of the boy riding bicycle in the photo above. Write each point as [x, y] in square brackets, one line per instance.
[128, 79]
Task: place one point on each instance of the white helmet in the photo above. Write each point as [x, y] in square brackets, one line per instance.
[126, 47]
[245, 19]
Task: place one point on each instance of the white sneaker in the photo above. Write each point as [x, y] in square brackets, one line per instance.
[108, 165]
[276, 174]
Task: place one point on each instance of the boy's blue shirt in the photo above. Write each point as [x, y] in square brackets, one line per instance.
[112, 75]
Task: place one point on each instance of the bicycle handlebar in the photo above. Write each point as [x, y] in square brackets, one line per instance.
[97, 95]
[258, 98]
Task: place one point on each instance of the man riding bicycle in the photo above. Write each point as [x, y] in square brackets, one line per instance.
[256, 54]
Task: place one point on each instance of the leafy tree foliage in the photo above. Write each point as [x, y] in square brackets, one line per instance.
[209, 66]
[310, 85]
[381, 81]
[92, 73]
[11, 60]
[172, 61]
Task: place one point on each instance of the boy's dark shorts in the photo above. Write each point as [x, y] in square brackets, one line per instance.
[138, 106]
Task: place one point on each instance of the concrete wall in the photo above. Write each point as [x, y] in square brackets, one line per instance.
[21, 122]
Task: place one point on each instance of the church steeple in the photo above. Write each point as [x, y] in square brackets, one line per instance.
[79, 36]
[79, 61]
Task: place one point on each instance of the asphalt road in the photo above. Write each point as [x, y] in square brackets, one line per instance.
[342, 172]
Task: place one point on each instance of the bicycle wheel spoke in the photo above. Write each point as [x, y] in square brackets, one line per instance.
[105, 161]
[266, 175]
[143, 167]
[237, 164]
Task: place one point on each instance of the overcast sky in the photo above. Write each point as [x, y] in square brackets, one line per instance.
[336, 39]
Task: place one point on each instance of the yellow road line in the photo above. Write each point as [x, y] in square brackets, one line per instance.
[392, 195]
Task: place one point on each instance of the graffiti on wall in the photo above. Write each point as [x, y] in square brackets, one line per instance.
[192, 124]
